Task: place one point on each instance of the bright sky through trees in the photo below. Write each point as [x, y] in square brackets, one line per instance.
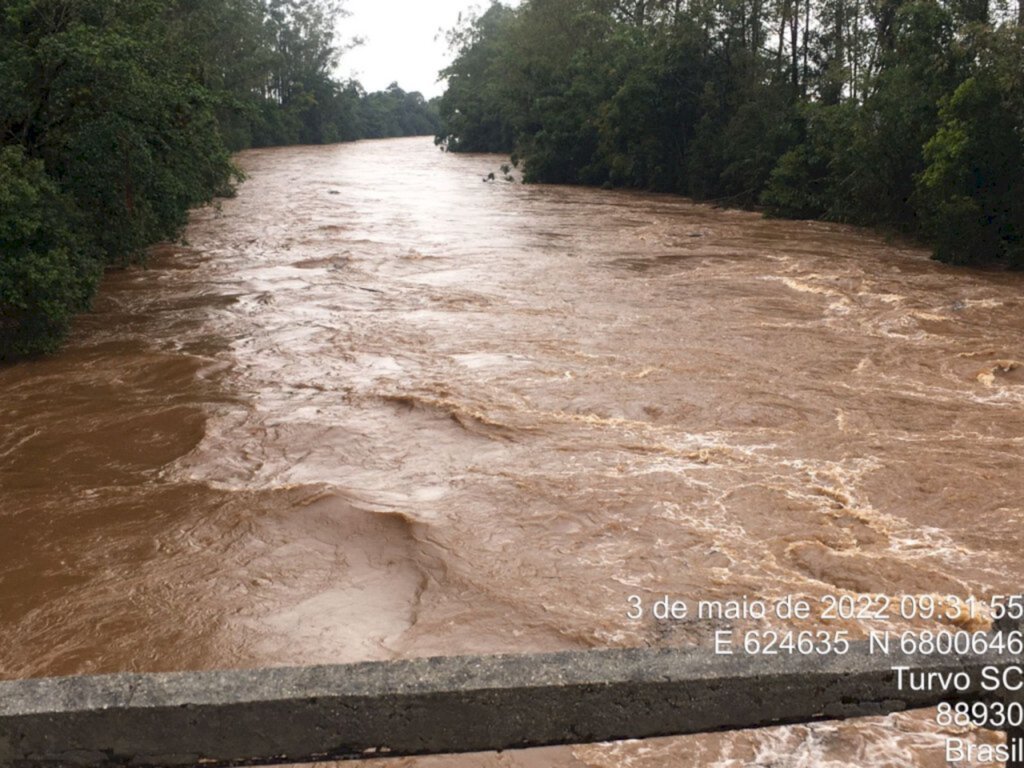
[400, 41]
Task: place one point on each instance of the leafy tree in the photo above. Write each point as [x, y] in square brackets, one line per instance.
[971, 195]
[117, 116]
[44, 275]
[902, 113]
[475, 108]
[805, 182]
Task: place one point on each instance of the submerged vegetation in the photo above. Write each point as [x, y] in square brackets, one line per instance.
[117, 116]
[903, 114]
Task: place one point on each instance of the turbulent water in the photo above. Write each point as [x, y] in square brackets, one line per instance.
[377, 408]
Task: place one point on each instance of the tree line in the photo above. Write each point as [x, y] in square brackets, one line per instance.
[902, 114]
[117, 116]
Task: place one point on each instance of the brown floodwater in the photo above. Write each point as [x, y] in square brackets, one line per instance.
[376, 408]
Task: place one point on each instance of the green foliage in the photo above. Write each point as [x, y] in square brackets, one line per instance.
[117, 116]
[475, 109]
[44, 275]
[971, 195]
[108, 141]
[906, 114]
[897, 118]
[644, 136]
[390, 113]
[808, 179]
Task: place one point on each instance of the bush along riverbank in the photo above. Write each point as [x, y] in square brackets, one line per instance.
[117, 116]
[906, 115]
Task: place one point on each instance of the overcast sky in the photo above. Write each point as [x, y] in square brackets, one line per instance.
[400, 44]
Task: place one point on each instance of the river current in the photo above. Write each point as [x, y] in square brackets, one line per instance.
[375, 407]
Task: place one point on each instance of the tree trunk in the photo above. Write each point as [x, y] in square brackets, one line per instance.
[807, 35]
[782, 34]
[855, 53]
[794, 42]
[840, 48]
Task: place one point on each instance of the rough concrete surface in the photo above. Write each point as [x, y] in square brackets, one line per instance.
[440, 705]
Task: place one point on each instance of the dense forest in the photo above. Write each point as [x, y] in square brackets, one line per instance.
[117, 116]
[906, 115]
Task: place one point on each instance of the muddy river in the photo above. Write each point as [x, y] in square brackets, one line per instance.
[374, 408]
